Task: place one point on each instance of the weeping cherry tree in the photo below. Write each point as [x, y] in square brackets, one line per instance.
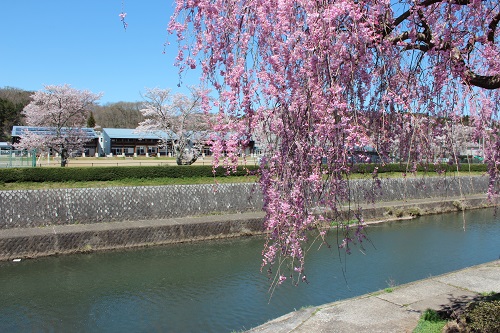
[316, 81]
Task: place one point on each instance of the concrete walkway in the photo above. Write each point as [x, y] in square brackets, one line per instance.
[397, 311]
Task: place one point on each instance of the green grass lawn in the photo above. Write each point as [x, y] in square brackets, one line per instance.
[425, 326]
[189, 180]
[430, 322]
[419, 174]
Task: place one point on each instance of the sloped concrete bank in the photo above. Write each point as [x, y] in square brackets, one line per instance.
[65, 239]
[81, 238]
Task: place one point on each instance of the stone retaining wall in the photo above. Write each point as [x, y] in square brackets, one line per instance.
[36, 208]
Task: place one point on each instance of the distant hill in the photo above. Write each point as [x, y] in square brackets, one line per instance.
[118, 115]
[12, 102]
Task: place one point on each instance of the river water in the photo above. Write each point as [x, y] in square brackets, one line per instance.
[216, 286]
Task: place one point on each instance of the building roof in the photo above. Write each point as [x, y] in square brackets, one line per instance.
[112, 133]
[20, 130]
[132, 133]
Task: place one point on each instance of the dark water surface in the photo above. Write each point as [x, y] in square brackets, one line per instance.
[216, 286]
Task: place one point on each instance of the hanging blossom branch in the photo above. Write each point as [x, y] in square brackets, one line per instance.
[314, 82]
[122, 16]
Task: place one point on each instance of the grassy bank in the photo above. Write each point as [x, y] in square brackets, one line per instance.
[190, 180]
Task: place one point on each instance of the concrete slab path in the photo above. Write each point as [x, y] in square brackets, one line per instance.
[397, 311]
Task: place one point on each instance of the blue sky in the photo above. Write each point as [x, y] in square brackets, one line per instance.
[83, 43]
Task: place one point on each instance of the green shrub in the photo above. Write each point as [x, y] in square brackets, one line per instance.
[483, 317]
[402, 168]
[115, 173]
[431, 315]
[55, 174]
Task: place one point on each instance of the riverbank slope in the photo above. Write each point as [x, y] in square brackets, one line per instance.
[56, 239]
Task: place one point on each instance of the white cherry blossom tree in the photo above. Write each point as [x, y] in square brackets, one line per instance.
[60, 113]
[175, 118]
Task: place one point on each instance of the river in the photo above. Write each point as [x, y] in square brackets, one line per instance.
[216, 286]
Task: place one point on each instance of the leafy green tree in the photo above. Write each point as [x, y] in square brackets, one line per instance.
[91, 120]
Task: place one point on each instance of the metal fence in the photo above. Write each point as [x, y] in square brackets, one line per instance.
[11, 158]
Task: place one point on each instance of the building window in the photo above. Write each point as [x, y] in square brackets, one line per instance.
[140, 150]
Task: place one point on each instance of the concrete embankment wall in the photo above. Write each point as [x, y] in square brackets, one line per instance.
[37, 208]
[45, 222]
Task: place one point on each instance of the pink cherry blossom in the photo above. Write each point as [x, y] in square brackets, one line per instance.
[320, 84]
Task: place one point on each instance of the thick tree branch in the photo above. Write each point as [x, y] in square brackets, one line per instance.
[421, 37]
[482, 81]
[388, 29]
[486, 82]
[421, 47]
[493, 26]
